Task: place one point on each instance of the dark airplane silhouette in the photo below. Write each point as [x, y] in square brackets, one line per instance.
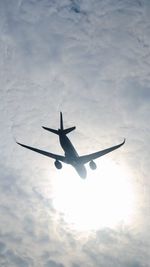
[71, 156]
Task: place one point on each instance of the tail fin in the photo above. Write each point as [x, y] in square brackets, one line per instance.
[61, 130]
[65, 131]
[61, 122]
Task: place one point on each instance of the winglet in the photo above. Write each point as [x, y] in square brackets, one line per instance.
[124, 141]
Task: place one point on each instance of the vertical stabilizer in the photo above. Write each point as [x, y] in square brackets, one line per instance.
[61, 121]
[61, 130]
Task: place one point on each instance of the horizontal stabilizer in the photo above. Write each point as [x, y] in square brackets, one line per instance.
[51, 130]
[68, 130]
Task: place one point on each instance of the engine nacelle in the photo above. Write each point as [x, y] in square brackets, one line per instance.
[92, 165]
[58, 164]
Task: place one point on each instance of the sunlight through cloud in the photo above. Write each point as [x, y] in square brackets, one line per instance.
[104, 199]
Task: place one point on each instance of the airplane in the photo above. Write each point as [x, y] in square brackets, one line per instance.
[70, 154]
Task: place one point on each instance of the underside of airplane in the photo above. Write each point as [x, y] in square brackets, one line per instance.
[70, 154]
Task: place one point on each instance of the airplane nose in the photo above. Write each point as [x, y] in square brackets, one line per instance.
[83, 176]
[81, 170]
[83, 173]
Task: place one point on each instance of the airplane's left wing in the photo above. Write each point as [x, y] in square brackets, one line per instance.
[45, 153]
[87, 158]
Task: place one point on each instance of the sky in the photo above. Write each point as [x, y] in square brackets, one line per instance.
[89, 59]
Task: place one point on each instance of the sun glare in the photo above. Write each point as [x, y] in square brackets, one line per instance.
[104, 199]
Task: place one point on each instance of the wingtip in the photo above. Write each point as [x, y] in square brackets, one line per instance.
[44, 127]
[18, 143]
[124, 141]
[15, 140]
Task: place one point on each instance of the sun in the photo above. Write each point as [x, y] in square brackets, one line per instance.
[104, 199]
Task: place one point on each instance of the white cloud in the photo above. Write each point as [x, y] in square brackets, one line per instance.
[89, 59]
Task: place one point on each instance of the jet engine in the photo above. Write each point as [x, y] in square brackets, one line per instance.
[58, 164]
[92, 165]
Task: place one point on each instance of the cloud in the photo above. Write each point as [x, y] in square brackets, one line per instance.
[2, 248]
[121, 248]
[51, 263]
[89, 59]
[16, 260]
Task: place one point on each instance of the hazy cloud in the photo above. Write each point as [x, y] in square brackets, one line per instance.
[89, 59]
[51, 263]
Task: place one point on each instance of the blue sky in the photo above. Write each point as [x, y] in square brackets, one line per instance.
[89, 59]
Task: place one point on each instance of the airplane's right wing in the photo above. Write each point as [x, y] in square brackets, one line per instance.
[45, 153]
[87, 158]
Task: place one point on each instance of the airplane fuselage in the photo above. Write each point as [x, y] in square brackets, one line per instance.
[71, 155]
